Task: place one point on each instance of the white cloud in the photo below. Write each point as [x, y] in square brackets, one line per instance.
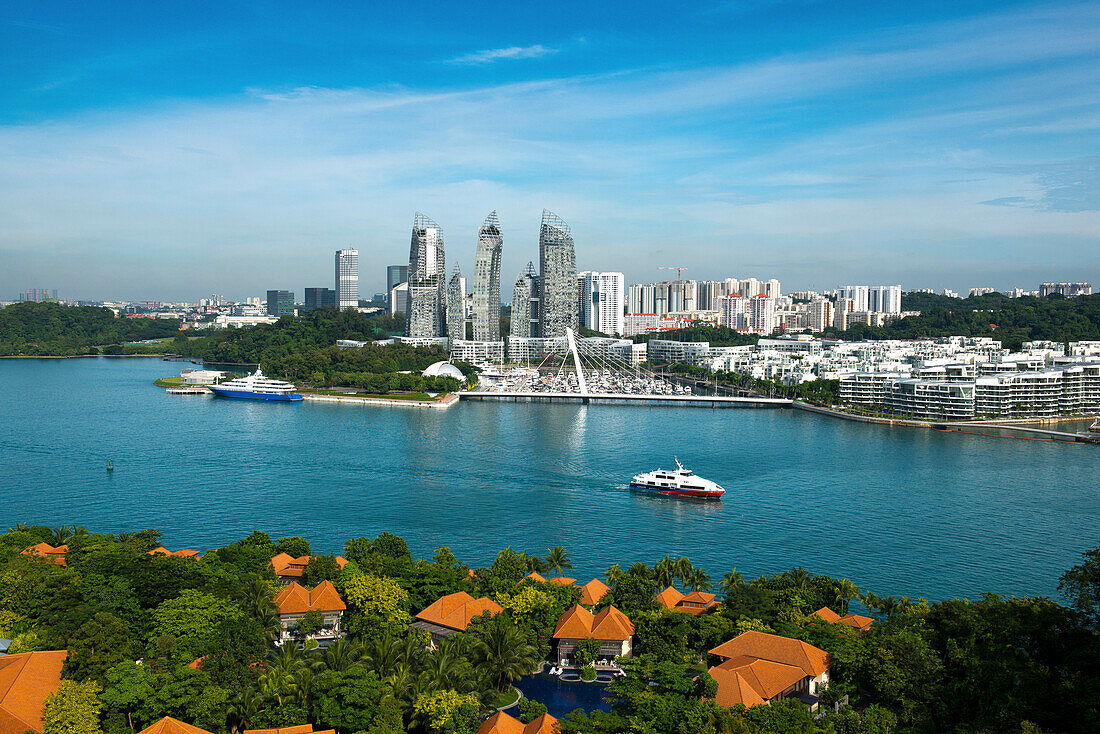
[488, 56]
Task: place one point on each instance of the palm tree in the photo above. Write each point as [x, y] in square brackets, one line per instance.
[845, 592]
[281, 681]
[557, 560]
[731, 581]
[683, 570]
[503, 654]
[537, 564]
[244, 708]
[613, 574]
[640, 570]
[255, 597]
[62, 533]
[268, 617]
[340, 656]
[699, 581]
[665, 572]
[448, 666]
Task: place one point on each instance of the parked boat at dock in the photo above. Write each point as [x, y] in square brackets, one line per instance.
[256, 387]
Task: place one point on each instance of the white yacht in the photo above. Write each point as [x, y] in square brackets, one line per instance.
[256, 387]
[679, 483]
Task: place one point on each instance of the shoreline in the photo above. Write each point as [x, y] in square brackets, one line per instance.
[77, 356]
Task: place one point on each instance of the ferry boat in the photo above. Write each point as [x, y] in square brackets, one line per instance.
[256, 387]
[679, 483]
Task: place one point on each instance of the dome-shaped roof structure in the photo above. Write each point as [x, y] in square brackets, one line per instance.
[444, 369]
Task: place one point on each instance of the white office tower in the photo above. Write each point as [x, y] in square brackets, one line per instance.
[749, 287]
[821, 315]
[347, 279]
[486, 309]
[427, 269]
[771, 288]
[761, 314]
[731, 312]
[603, 301]
[456, 310]
[858, 294]
[884, 299]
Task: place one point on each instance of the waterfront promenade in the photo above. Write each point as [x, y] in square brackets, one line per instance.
[705, 401]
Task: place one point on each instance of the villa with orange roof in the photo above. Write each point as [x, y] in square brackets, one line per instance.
[47, 552]
[26, 680]
[290, 569]
[856, 621]
[452, 613]
[593, 592]
[502, 723]
[162, 551]
[758, 668]
[168, 725]
[611, 627]
[300, 729]
[294, 601]
[695, 602]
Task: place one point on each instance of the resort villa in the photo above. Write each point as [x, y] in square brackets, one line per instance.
[695, 602]
[168, 725]
[162, 551]
[611, 627]
[593, 592]
[758, 668]
[502, 723]
[47, 552]
[290, 569]
[856, 621]
[294, 602]
[26, 680]
[452, 613]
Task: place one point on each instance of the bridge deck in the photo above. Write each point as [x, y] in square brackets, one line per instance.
[707, 400]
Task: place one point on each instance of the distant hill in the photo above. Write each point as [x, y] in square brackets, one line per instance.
[52, 329]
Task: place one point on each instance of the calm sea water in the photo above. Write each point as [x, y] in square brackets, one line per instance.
[899, 511]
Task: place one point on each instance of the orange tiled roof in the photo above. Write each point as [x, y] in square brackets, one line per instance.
[502, 723]
[48, 552]
[578, 623]
[734, 689]
[698, 597]
[668, 598]
[813, 661]
[162, 551]
[858, 621]
[767, 677]
[456, 610]
[26, 680]
[827, 615]
[535, 576]
[287, 565]
[293, 599]
[561, 581]
[593, 591]
[299, 729]
[168, 725]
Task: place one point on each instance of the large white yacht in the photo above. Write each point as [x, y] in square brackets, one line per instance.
[679, 483]
[256, 387]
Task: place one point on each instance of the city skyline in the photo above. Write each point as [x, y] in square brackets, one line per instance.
[949, 146]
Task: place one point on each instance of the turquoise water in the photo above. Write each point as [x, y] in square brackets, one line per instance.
[561, 698]
[899, 511]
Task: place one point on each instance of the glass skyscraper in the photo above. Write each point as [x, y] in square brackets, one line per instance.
[525, 301]
[427, 270]
[558, 277]
[347, 279]
[490, 242]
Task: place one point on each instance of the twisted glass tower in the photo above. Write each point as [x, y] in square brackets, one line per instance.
[427, 270]
[558, 277]
[490, 242]
[525, 300]
[456, 309]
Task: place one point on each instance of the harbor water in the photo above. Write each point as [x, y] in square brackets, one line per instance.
[900, 511]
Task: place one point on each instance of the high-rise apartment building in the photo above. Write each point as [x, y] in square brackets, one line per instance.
[490, 243]
[38, 295]
[398, 299]
[602, 299]
[884, 299]
[347, 279]
[1069, 290]
[280, 303]
[731, 311]
[761, 314]
[456, 312]
[842, 312]
[557, 277]
[319, 297]
[820, 315]
[427, 269]
[525, 304]
[858, 294]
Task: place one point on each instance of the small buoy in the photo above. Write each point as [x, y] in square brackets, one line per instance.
[110, 466]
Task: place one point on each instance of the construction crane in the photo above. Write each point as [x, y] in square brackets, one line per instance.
[664, 267]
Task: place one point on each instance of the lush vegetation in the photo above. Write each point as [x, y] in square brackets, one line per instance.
[1011, 320]
[717, 336]
[819, 391]
[997, 664]
[51, 329]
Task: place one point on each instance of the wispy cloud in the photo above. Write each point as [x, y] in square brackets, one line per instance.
[489, 56]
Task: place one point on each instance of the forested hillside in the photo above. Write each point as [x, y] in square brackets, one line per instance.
[54, 329]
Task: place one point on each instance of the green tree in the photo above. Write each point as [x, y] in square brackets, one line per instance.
[72, 709]
[379, 606]
[190, 618]
[588, 650]
[320, 568]
[101, 643]
[557, 560]
[1081, 585]
[347, 700]
[502, 653]
[292, 546]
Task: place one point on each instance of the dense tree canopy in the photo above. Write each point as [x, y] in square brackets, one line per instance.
[53, 329]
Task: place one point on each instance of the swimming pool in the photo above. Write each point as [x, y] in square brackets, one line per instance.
[560, 698]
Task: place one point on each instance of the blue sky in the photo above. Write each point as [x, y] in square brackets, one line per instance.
[172, 150]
